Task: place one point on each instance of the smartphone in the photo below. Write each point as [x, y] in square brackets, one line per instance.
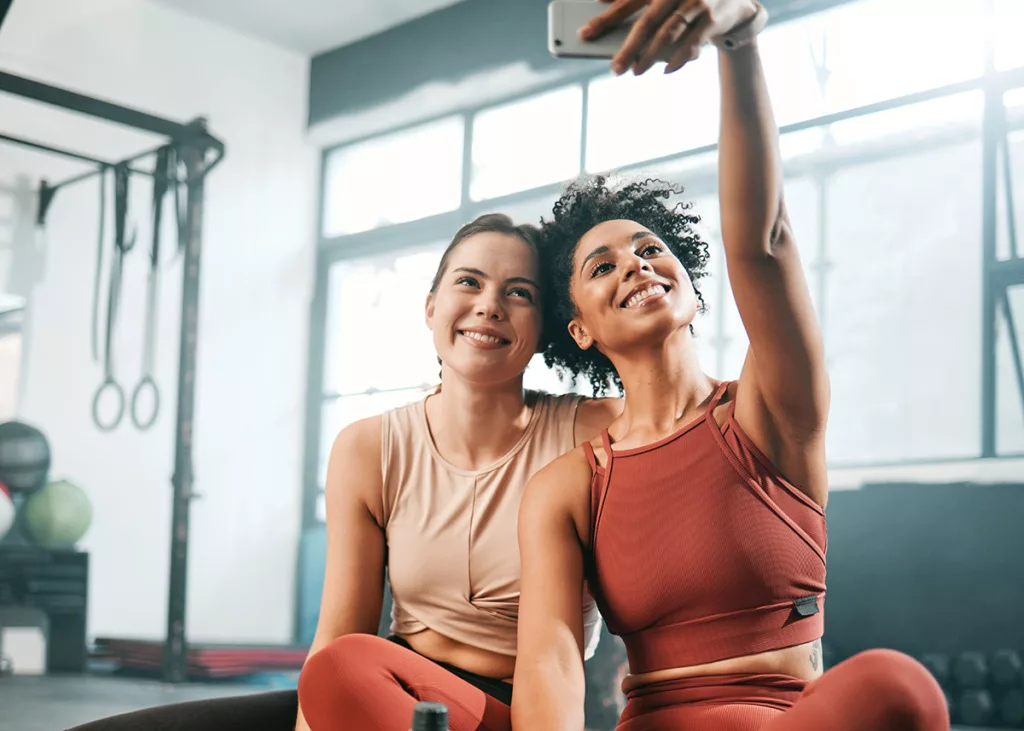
[566, 17]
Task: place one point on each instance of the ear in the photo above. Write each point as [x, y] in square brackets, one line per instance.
[429, 311]
[579, 334]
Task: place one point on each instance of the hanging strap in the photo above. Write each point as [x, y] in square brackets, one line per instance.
[98, 276]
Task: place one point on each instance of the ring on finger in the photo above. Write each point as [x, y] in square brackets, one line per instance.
[682, 25]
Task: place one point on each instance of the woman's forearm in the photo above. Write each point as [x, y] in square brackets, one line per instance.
[750, 165]
[548, 696]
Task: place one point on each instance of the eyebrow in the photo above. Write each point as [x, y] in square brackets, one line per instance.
[510, 280]
[603, 249]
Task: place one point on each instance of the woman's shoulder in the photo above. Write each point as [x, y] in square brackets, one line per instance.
[586, 415]
[594, 416]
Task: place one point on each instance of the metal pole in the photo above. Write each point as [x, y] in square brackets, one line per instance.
[175, 668]
[992, 130]
[67, 99]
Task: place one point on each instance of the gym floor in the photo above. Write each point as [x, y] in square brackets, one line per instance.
[53, 703]
[71, 700]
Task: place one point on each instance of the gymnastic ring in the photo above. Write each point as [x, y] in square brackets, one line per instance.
[108, 385]
[147, 381]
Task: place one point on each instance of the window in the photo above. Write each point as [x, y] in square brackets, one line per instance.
[376, 337]
[1009, 397]
[903, 306]
[890, 29]
[886, 209]
[527, 144]
[361, 189]
[1009, 19]
[631, 119]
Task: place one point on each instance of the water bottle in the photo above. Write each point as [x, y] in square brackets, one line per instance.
[430, 717]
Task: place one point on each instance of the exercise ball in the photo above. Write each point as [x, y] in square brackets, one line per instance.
[6, 510]
[24, 457]
[58, 514]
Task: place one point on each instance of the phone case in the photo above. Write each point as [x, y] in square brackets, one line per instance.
[566, 17]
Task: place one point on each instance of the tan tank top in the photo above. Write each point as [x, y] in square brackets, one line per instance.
[453, 552]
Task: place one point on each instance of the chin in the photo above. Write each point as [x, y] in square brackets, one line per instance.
[486, 371]
[659, 329]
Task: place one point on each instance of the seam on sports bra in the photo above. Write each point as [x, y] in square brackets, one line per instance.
[385, 444]
[575, 414]
[767, 464]
[781, 604]
[606, 478]
[588, 451]
[752, 484]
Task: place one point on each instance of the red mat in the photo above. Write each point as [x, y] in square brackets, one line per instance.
[203, 660]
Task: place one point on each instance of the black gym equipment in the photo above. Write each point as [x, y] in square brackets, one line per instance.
[981, 688]
[5, 5]
[976, 708]
[429, 717]
[938, 666]
[198, 151]
[970, 670]
[1006, 669]
[24, 457]
[1011, 708]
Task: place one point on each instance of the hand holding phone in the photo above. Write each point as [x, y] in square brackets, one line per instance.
[566, 17]
[639, 33]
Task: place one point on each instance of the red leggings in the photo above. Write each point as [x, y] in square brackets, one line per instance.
[368, 683]
[877, 690]
[371, 684]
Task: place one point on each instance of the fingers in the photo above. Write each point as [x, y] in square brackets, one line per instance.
[680, 27]
[619, 11]
[643, 31]
[690, 44]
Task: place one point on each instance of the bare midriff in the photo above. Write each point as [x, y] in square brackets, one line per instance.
[440, 648]
[800, 661]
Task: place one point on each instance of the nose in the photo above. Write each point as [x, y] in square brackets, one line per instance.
[488, 306]
[636, 265]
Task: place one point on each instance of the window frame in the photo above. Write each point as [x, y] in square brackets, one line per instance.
[397, 237]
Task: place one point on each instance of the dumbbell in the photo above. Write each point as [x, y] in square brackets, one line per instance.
[1011, 708]
[976, 708]
[970, 671]
[1006, 668]
[429, 717]
[938, 665]
[950, 705]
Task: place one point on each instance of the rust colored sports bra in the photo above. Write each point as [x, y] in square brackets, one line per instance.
[701, 551]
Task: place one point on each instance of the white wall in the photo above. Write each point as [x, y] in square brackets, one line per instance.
[257, 280]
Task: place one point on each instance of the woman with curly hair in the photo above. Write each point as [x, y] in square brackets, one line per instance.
[697, 518]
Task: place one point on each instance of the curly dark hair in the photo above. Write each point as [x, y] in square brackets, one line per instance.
[587, 202]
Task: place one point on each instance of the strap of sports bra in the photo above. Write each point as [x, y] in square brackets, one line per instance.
[716, 400]
[588, 449]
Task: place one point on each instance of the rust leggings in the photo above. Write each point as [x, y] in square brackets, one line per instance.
[877, 690]
[371, 684]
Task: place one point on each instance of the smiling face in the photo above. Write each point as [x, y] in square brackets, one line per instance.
[629, 289]
[485, 311]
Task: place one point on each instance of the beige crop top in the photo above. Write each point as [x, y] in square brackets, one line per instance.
[453, 552]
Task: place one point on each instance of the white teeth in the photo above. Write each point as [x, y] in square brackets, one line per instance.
[644, 294]
[482, 338]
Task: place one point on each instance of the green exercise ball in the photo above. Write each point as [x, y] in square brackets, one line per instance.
[58, 514]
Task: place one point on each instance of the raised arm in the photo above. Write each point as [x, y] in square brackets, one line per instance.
[786, 363]
[353, 591]
[549, 686]
[783, 395]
